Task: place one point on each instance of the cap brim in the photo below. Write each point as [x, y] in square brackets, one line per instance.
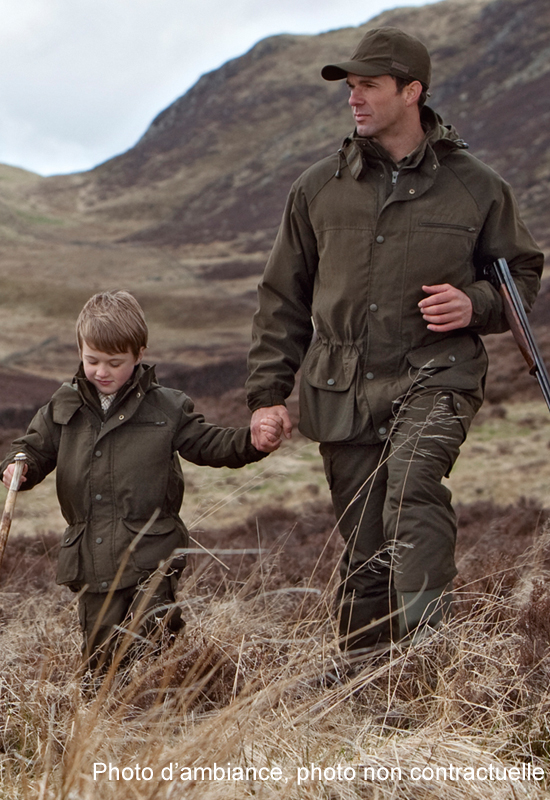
[337, 72]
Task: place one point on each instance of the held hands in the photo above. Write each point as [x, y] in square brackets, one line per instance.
[446, 308]
[268, 425]
[8, 474]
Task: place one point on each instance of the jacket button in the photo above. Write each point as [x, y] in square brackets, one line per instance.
[380, 239]
[98, 497]
[331, 381]
[369, 376]
[67, 540]
[98, 540]
[382, 430]
[452, 358]
[104, 584]
[412, 191]
[121, 416]
[373, 307]
[97, 453]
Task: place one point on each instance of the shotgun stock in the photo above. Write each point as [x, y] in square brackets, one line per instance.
[498, 273]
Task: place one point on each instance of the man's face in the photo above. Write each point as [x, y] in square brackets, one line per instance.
[108, 371]
[379, 110]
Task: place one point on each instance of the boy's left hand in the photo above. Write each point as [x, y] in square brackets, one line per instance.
[272, 430]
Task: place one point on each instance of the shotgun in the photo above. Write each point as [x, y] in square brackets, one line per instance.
[9, 506]
[498, 273]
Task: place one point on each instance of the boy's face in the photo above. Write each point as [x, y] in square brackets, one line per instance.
[108, 371]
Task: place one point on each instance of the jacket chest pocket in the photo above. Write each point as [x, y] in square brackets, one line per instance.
[143, 447]
[448, 227]
[442, 252]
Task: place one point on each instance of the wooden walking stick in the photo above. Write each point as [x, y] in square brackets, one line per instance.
[5, 523]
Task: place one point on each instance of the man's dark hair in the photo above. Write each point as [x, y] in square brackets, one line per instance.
[402, 82]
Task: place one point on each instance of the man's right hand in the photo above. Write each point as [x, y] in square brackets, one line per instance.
[258, 436]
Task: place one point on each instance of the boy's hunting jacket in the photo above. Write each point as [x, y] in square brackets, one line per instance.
[359, 238]
[115, 473]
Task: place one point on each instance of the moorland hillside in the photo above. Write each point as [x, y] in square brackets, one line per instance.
[185, 218]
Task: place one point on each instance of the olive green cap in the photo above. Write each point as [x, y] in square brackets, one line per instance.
[385, 51]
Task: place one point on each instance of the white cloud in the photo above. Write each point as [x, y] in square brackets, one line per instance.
[84, 78]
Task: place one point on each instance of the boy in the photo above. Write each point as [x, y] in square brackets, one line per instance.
[114, 435]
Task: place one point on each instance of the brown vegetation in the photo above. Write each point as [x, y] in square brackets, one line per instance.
[258, 681]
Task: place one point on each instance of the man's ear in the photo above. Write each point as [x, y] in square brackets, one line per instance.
[140, 354]
[412, 91]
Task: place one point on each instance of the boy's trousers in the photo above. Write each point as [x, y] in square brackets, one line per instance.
[394, 513]
[137, 618]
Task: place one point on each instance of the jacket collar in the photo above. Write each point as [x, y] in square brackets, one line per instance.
[80, 392]
[362, 153]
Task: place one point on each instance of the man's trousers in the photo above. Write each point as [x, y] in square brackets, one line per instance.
[396, 516]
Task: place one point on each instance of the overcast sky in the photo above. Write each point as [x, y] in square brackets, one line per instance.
[82, 79]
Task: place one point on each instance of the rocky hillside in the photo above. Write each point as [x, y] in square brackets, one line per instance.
[186, 217]
[217, 163]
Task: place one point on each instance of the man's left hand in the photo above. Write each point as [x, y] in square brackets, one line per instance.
[446, 308]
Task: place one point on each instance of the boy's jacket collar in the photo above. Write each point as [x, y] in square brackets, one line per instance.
[71, 396]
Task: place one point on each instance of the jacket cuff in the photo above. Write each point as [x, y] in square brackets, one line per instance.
[31, 475]
[265, 399]
[487, 313]
[254, 453]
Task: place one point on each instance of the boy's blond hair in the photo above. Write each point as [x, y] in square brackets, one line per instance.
[112, 322]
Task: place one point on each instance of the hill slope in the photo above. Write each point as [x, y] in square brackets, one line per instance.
[186, 217]
[217, 163]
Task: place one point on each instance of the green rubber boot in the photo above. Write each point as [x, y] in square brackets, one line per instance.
[420, 613]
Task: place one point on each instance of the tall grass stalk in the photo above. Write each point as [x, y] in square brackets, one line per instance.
[257, 681]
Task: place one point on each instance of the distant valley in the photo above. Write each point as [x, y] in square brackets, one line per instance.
[185, 218]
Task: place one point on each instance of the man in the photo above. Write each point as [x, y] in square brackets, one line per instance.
[379, 255]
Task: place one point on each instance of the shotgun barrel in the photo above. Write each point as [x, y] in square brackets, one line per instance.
[500, 276]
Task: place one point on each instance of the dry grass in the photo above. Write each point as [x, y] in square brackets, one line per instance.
[258, 682]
